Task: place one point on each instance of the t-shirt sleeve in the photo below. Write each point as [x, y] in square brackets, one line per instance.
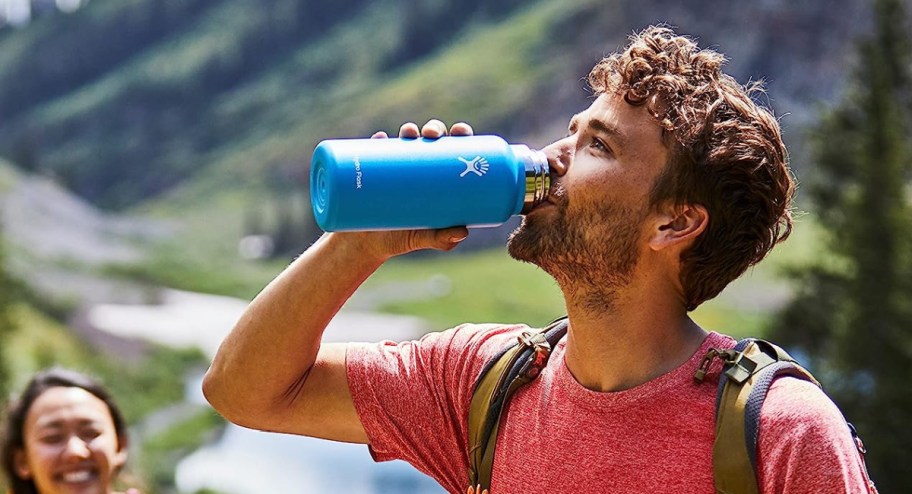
[805, 445]
[413, 397]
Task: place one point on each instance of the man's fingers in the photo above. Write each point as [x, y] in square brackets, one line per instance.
[434, 129]
[461, 129]
[380, 135]
[409, 130]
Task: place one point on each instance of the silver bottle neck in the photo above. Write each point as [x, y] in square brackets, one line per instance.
[538, 176]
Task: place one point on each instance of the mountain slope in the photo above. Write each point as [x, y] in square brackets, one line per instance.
[60, 245]
[209, 109]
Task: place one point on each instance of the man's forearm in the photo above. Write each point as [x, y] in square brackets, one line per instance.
[276, 340]
[270, 372]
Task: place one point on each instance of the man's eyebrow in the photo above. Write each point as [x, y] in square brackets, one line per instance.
[608, 129]
[600, 127]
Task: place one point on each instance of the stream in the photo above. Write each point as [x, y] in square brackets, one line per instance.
[244, 461]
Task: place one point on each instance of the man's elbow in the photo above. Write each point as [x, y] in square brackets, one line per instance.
[219, 394]
[236, 406]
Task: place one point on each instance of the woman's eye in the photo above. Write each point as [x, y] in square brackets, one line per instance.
[52, 439]
[89, 433]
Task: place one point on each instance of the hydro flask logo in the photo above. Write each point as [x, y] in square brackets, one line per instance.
[477, 165]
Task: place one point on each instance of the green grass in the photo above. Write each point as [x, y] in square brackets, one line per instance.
[219, 275]
[485, 286]
[489, 286]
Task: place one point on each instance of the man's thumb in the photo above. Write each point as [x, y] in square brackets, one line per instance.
[448, 238]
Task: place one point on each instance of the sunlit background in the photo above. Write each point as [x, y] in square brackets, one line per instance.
[154, 160]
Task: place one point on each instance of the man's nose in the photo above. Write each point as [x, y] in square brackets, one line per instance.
[76, 448]
[560, 154]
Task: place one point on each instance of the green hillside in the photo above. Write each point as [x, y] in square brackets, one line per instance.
[205, 112]
[490, 74]
[154, 91]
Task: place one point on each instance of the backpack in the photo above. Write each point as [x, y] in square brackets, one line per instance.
[748, 371]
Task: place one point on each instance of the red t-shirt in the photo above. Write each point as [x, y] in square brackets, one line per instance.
[557, 436]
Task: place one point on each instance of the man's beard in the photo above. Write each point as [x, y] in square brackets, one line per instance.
[589, 255]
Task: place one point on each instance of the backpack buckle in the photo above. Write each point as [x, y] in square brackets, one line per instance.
[740, 368]
[541, 351]
[727, 356]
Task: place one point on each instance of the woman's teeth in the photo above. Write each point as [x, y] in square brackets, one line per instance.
[77, 476]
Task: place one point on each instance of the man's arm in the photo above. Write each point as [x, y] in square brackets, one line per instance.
[271, 372]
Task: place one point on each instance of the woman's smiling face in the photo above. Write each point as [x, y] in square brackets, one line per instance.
[71, 444]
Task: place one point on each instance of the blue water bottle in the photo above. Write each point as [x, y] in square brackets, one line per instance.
[393, 184]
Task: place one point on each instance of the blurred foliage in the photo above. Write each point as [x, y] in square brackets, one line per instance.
[141, 385]
[9, 293]
[162, 452]
[852, 315]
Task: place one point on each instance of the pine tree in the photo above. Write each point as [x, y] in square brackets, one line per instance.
[852, 316]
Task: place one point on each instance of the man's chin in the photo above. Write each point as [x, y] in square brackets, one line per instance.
[526, 243]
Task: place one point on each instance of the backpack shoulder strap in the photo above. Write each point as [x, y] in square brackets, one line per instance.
[749, 370]
[500, 378]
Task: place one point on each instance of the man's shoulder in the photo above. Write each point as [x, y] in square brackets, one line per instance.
[466, 347]
[805, 443]
[796, 408]
[479, 340]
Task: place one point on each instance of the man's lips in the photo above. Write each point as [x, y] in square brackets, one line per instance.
[556, 196]
[546, 204]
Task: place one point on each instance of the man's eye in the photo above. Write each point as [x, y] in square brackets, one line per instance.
[599, 145]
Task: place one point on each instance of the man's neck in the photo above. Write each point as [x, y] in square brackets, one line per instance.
[639, 337]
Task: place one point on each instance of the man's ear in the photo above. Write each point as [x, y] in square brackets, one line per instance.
[20, 465]
[679, 226]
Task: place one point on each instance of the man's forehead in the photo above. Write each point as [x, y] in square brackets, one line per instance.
[611, 114]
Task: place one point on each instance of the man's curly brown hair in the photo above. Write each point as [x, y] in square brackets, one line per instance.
[727, 153]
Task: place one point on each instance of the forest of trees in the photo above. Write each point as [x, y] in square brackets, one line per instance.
[853, 313]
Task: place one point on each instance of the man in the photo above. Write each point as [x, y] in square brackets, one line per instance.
[666, 188]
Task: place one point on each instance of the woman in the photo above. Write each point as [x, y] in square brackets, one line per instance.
[64, 434]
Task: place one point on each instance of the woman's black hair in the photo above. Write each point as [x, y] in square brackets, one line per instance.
[13, 436]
